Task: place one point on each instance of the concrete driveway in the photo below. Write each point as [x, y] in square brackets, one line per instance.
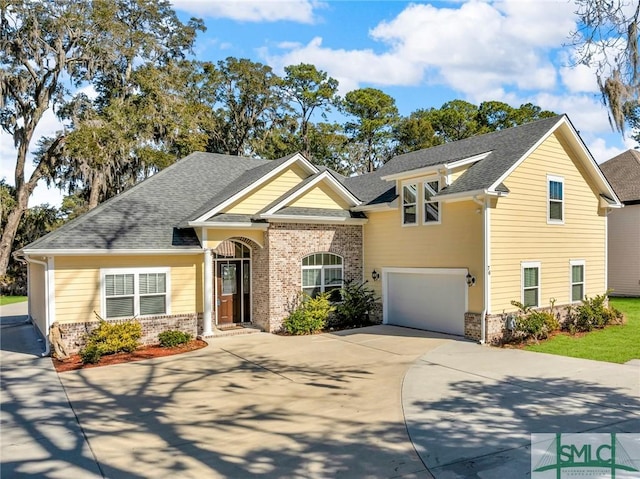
[257, 406]
[470, 410]
[331, 405]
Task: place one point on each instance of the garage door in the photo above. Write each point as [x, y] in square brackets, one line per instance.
[434, 299]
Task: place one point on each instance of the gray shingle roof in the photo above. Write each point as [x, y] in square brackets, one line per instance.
[145, 217]
[506, 147]
[318, 212]
[623, 173]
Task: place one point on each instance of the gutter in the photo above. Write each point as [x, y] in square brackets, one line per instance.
[485, 274]
[47, 314]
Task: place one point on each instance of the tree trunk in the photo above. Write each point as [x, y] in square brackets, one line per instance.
[96, 188]
[11, 227]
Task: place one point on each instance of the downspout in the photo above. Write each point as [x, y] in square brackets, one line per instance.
[485, 267]
[47, 312]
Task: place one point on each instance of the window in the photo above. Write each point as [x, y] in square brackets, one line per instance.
[129, 293]
[531, 284]
[556, 199]
[321, 273]
[431, 208]
[409, 204]
[577, 281]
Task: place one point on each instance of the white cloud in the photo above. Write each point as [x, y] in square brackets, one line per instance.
[300, 11]
[601, 152]
[474, 48]
[579, 78]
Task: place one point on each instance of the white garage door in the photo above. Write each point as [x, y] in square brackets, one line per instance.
[434, 299]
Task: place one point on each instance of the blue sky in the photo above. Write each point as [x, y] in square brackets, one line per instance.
[421, 53]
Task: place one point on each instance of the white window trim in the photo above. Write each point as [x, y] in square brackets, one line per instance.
[416, 204]
[558, 179]
[136, 288]
[531, 264]
[424, 202]
[572, 263]
[322, 269]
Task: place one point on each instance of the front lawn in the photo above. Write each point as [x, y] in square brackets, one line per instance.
[4, 300]
[615, 344]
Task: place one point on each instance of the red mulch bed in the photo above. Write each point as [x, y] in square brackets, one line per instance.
[146, 352]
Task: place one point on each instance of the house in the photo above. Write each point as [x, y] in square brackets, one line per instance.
[623, 173]
[447, 237]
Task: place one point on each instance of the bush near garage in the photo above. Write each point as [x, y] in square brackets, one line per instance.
[593, 313]
[358, 300]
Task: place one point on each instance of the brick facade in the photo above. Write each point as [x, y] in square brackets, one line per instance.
[74, 335]
[277, 284]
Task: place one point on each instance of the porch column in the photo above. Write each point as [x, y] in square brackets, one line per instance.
[208, 292]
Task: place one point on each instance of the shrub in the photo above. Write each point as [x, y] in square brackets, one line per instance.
[111, 338]
[357, 302]
[530, 323]
[173, 338]
[591, 314]
[309, 315]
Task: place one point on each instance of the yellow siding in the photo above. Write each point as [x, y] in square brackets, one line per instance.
[269, 192]
[320, 196]
[77, 282]
[37, 296]
[519, 230]
[217, 236]
[455, 243]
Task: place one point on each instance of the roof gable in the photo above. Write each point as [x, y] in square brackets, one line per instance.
[250, 184]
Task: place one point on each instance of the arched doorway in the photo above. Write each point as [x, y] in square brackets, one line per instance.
[232, 278]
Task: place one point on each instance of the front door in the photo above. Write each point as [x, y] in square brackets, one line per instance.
[232, 291]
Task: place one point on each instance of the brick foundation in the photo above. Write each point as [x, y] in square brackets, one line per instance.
[74, 334]
[496, 325]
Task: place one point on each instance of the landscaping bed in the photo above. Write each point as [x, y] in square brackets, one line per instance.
[148, 352]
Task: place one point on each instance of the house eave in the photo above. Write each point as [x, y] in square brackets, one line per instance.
[377, 207]
[109, 252]
[234, 225]
[313, 219]
[470, 195]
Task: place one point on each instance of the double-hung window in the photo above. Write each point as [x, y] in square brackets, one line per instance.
[555, 194]
[131, 292]
[531, 284]
[321, 273]
[410, 204]
[431, 207]
[577, 280]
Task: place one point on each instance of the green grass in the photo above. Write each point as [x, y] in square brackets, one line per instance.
[4, 300]
[615, 344]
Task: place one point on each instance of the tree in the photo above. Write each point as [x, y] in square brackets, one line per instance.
[607, 40]
[375, 115]
[36, 222]
[309, 89]
[42, 42]
[415, 132]
[496, 115]
[456, 120]
[250, 103]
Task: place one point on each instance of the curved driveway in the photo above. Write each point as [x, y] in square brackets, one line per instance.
[330, 405]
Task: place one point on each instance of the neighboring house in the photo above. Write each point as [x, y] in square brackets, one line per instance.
[455, 233]
[623, 173]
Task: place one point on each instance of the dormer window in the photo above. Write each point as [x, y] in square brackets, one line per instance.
[409, 204]
[431, 207]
